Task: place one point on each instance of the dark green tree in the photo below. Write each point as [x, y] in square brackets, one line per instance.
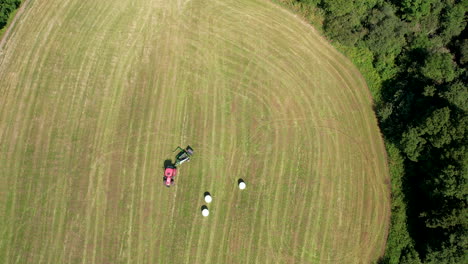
[6, 8]
[414, 9]
[346, 29]
[457, 95]
[453, 21]
[439, 67]
[463, 47]
[386, 38]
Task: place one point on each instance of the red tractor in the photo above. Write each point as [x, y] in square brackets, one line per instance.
[170, 170]
[169, 174]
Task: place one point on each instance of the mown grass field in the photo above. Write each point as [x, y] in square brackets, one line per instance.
[95, 95]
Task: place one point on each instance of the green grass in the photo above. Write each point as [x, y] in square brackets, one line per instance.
[97, 94]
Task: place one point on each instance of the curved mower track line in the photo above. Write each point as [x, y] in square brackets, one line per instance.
[95, 95]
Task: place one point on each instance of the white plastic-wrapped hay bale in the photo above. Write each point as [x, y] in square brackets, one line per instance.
[208, 197]
[205, 212]
[241, 184]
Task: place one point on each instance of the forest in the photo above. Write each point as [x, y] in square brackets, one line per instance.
[6, 8]
[413, 54]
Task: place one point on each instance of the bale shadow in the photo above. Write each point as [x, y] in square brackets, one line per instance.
[203, 208]
[239, 181]
[206, 193]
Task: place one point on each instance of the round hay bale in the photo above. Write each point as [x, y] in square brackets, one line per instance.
[242, 185]
[205, 212]
[208, 198]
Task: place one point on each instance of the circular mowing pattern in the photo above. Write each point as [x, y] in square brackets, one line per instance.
[261, 94]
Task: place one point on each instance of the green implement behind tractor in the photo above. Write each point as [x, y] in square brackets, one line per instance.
[184, 155]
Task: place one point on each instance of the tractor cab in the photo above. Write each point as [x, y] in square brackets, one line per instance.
[184, 155]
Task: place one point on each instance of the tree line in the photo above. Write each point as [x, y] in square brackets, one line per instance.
[6, 8]
[417, 54]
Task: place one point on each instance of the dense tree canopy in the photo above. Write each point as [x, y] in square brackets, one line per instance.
[420, 52]
[439, 67]
[463, 46]
[6, 8]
